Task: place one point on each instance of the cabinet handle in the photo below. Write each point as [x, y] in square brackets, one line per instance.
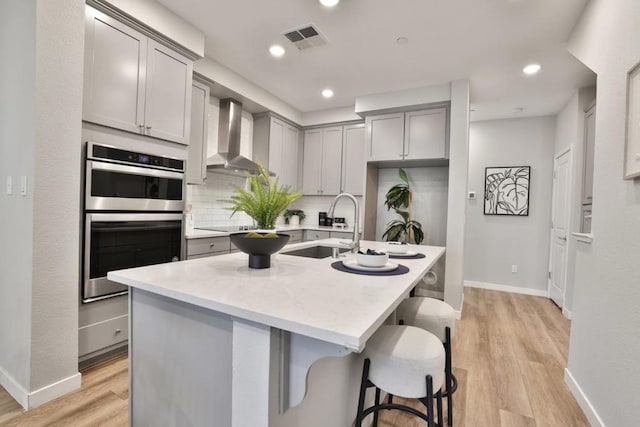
[148, 127]
[141, 125]
[211, 245]
[117, 331]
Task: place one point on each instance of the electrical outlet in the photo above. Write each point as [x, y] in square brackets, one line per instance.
[514, 268]
[471, 195]
[9, 185]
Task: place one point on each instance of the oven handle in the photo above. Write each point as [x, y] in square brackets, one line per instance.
[134, 170]
[101, 217]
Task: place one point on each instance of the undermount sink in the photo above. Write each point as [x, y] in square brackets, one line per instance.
[314, 252]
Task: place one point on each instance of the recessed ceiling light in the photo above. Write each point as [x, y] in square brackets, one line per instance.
[531, 69]
[329, 3]
[327, 93]
[276, 50]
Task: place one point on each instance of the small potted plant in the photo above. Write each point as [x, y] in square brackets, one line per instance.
[294, 216]
[399, 198]
[264, 201]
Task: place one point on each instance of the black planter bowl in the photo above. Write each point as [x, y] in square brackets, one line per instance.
[259, 248]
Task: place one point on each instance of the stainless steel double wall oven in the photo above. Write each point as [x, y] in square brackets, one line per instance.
[133, 214]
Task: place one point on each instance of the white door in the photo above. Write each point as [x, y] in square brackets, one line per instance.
[312, 162]
[353, 164]
[425, 134]
[331, 161]
[386, 137]
[560, 227]
[290, 158]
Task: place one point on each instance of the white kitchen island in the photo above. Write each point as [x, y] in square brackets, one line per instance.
[215, 343]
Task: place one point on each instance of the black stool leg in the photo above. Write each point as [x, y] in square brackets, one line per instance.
[429, 401]
[363, 392]
[448, 375]
[439, 405]
[375, 414]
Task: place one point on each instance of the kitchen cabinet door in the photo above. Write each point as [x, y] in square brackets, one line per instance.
[168, 94]
[283, 152]
[353, 163]
[331, 161]
[276, 145]
[425, 134]
[290, 157]
[114, 73]
[197, 151]
[589, 149]
[312, 162]
[385, 134]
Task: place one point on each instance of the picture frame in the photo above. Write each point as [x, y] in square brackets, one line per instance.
[506, 190]
[632, 131]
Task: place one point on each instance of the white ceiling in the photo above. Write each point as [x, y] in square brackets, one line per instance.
[487, 41]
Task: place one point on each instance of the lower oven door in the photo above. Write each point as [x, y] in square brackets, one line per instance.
[117, 241]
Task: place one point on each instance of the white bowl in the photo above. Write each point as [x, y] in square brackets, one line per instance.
[372, 260]
[397, 248]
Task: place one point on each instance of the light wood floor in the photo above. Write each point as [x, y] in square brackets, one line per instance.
[509, 355]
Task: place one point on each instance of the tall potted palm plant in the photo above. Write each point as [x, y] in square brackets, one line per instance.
[399, 198]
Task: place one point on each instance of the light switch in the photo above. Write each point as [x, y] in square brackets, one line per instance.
[471, 195]
[9, 185]
[23, 185]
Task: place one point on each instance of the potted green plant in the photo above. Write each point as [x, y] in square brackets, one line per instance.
[399, 198]
[265, 199]
[294, 216]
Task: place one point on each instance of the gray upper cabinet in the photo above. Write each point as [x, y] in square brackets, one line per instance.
[386, 137]
[589, 148]
[425, 134]
[197, 151]
[413, 135]
[134, 83]
[322, 162]
[276, 144]
[353, 163]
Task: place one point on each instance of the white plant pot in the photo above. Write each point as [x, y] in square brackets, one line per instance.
[294, 220]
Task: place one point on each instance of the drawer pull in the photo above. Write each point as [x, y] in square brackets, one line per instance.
[211, 245]
[118, 331]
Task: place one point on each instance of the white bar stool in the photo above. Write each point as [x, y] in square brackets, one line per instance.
[439, 318]
[408, 362]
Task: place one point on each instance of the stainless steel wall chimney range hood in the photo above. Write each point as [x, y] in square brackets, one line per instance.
[228, 158]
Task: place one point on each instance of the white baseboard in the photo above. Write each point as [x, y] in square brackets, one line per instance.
[459, 312]
[55, 390]
[505, 288]
[567, 313]
[583, 401]
[14, 389]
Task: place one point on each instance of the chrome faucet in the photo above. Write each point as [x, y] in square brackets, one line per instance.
[355, 244]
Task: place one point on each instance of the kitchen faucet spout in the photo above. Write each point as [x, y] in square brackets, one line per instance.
[355, 244]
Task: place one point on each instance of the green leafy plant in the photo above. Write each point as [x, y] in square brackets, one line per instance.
[291, 212]
[399, 198]
[265, 200]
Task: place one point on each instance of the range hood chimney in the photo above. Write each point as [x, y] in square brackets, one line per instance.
[228, 158]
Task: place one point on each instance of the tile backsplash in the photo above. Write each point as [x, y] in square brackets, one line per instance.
[208, 201]
[210, 209]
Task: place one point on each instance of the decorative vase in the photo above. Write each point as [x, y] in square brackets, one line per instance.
[294, 220]
[259, 249]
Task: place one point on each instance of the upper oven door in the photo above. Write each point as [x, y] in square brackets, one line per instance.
[117, 187]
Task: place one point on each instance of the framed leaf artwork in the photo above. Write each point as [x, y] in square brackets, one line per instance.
[506, 190]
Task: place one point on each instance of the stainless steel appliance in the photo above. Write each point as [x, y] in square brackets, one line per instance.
[133, 215]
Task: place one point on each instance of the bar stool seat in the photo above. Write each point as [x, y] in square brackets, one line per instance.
[439, 318]
[408, 362]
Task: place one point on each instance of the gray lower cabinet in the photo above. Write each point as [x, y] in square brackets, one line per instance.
[208, 246]
[342, 235]
[296, 236]
[102, 327]
[316, 235]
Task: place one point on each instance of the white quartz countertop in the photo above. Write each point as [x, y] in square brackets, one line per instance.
[301, 295]
[200, 234]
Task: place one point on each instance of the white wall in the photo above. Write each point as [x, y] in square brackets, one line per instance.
[604, 348]
[17, 137]
[494, 243]
[39, 250]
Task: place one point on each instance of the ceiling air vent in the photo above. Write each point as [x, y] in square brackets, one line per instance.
[305, 37]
